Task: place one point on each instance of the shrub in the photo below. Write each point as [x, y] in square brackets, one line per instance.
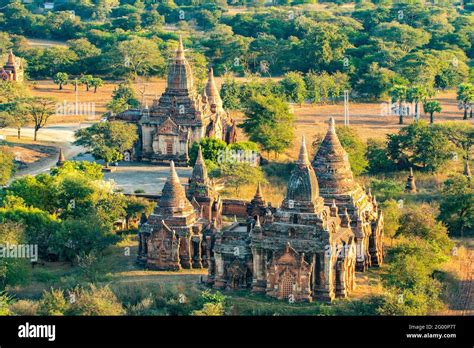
[95, 301]
[386, 189]
[53, 302]
[24, 307]
[5, 301]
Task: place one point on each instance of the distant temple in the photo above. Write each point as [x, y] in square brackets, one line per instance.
[179, 117]
[13, 69]
[326, 228]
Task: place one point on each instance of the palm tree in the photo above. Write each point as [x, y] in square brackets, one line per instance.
[430, 107]
[465, 97]
[398, 93]
[416, 94]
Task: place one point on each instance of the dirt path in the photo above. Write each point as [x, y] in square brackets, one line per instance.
[59, 136]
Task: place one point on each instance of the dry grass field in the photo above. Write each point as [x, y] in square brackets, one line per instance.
[311, 120]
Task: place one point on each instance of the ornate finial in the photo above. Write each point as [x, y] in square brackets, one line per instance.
[200, 158]
[173, 174]
[258, 193]
[180, 50]
[303, 156]
[332, 124]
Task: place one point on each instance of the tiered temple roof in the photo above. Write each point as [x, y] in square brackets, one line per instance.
[332, 166]
[173, 198]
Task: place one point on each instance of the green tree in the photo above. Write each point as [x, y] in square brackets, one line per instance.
[294, 87]
[235, 175]
[107, 140]
[416, 94]
[465, 97]
[211, 149]
[430, 107]
[7, 166]
[391, 217]
[269, 123]
[96, 83]
[135, 206]
[420, 221]
[86, 80]
[405, 36]
[355, 147]
[61, 79]
[12, 270]
[40, 110]
[398, 93]
[230, 94]
[386, 189]
[377, 156]
[457, 205]
[141, 56]
[419, 145]
[15, 115]
[123, 98]
[460, 135]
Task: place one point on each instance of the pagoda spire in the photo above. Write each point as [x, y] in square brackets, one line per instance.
[173, 195]
[180, 75]
[61, 158]
[258, 193]
[303, 155]
[211, 91]
[180, 49]
[332, 166]
[303, 190]
[11, 58]
[200, 169]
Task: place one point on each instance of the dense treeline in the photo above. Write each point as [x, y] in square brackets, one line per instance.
[376, 45]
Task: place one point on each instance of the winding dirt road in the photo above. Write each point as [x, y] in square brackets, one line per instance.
[57, 135]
